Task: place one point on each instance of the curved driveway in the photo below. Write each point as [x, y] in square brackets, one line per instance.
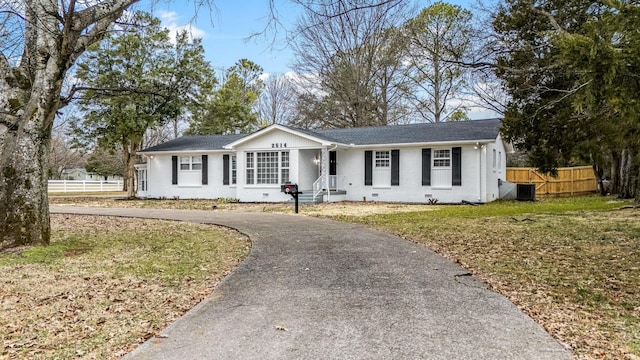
[320, 289]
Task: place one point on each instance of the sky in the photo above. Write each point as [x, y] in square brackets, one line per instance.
[226, 29]
[226, 32]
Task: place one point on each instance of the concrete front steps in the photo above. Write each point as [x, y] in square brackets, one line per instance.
[307, 196]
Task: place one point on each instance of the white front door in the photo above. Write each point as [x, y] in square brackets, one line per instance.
[382, 169]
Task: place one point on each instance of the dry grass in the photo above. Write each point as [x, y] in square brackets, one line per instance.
[106, 284]
[571, 264]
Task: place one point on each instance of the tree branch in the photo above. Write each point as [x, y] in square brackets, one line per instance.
[108, 92]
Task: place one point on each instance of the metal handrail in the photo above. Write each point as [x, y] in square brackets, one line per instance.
[317, 186]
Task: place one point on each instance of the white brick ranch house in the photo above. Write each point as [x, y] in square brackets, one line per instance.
[450, 162]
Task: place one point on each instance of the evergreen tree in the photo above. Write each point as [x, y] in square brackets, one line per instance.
[231, 108]
[135, 80]
[571, 68]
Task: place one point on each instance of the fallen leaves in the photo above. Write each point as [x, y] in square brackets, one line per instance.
[87, 304]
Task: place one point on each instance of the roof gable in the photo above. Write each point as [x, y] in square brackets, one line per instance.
[289, 134]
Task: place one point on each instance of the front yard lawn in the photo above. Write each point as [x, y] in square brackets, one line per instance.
[572, 264]
[106, 284]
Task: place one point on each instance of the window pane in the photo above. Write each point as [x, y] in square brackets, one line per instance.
[285, 159]
[185, 163]
[196, 163]
[285, 176]
[441, 158]
[267, 167]
[382, 159]
[250, 178]
[250, 160]
[233, 169]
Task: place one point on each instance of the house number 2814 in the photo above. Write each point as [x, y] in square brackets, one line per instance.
[278, 145]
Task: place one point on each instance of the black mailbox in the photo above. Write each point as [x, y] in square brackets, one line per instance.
[289, 188]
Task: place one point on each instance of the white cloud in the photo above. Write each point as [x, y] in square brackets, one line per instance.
[169, 20]
[264, 76]
[170, 17]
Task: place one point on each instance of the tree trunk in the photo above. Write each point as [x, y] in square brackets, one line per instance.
[615, 172]
[599, 173]
[25, 138]
[629, 175]
[24, 206]
[130, 169]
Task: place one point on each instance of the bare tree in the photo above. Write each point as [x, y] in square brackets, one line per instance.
[350, 46]
[63, 157]
[277, 101]
[440, 40]
[46, 38]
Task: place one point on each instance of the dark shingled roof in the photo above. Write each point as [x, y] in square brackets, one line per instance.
[413, 133]
[472, 130]
[196, 143]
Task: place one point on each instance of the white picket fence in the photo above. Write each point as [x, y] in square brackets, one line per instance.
[67, 186]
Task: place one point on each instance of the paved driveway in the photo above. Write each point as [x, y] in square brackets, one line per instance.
[320, 289]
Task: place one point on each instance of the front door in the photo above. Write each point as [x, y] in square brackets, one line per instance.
[333, 164]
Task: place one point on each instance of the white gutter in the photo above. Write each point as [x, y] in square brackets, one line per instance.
[440, 143]
[480, 148]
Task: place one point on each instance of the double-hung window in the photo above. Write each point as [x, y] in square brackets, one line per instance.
[284, 167]
[250, 168]
[190, 163]
[267, 167]
[234, 169]
[441, 158]
[383, 159]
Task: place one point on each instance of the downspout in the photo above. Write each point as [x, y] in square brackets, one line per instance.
[479, 147]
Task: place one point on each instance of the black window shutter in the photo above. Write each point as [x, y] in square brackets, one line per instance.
[456, 166]
[225, 169]
[205, 169]
[395, 167]
[368, 167]
[174, 170]
[426, 167]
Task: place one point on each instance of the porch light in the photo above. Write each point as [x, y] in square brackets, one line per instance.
[316, 160]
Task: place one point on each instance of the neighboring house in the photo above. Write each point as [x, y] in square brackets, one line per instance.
[74, 174]
[449, 162]
[82, 174]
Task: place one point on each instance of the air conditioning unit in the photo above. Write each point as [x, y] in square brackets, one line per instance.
[526, 192]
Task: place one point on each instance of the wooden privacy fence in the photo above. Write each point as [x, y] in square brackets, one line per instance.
[64, 186]
[570, 181]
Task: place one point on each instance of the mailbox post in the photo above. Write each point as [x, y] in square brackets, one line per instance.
[291, 189]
